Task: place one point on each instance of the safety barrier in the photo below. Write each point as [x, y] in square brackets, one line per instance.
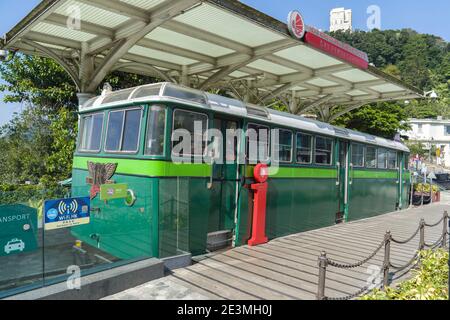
[325, 262]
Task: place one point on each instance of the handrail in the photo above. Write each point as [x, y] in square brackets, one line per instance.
[325, 262]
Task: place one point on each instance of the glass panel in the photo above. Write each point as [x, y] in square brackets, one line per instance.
[156, 130]
[324, 149]
[283, 150]
[382, 158]
[91, 132]
[184, 94]
[147, 91]
[304, 148]
[115, 234]
[22, 237]
[371, 157]
[118, 96]
[132, 130]
[358, 155]
[174, 211]
[257, 143]
[185, 120]
[392, 160]
[257, 111]
[114, 134]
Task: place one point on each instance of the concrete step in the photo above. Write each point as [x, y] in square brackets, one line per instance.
[219, 240]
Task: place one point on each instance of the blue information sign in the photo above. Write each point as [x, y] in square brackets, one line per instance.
[65, 213]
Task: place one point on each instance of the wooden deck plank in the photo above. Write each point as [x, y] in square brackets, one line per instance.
[286, 268]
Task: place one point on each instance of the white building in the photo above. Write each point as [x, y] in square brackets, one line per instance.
[341, 19]
[432, 132]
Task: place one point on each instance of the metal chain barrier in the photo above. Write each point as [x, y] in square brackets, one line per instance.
[436, 224]
[409, 263]
[358, 264]
[325, 262]
[408, 240]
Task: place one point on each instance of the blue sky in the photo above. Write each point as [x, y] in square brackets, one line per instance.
[430, 16]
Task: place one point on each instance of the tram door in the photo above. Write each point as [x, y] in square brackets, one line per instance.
[343, 180]
[225, 182]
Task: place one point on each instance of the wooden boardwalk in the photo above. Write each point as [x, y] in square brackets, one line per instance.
[287, 268]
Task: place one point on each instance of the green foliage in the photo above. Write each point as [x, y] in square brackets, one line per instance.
[383, 119]
[420, 60]
[38, 144]
[417, 148]
[429, 282]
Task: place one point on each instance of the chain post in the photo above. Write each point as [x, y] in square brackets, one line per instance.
[422, 235]
[387, 258]
[323, 263]
[445, 230]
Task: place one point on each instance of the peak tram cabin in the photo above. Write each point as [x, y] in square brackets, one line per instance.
[327, 175]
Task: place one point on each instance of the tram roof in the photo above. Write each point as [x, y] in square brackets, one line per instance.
[169, 92]
[203, 44]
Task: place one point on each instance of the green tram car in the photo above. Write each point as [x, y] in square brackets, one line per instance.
[327, 174]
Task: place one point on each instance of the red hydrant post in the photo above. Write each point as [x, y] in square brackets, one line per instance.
[259, 206]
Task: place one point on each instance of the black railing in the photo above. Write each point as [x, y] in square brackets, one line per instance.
[388, 266]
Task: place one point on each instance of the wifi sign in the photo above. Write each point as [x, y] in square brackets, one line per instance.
[64, 208]
[65, 213]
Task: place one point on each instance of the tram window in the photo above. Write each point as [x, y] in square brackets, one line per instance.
[358, 155]
[382, 158]
[186, 120]
[304, 148]
[257, 143]
[156, 129]
[123, 131]
[324, 149]
[371, 157]
[392, 160]
[284, 147]
[91, 133]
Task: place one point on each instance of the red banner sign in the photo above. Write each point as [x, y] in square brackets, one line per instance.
[336, 48]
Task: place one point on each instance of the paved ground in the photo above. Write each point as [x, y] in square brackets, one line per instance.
[286, 268]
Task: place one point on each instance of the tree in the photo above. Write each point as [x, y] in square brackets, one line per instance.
[38, 145]
[383, 119]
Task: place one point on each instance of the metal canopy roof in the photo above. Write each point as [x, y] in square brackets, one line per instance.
[209, 44]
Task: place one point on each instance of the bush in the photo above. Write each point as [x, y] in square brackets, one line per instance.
[429, 282]
[420, 187]
[30, 195]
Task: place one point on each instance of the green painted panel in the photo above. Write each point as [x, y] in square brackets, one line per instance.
[297, 172]
[301, 205]
[372, 197]
[366, 174]
[123, 232]
[150, 168]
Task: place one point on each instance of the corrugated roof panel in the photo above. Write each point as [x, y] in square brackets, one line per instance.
[189, 43]
[268, 66]
[355, 75]
[308, 57]
[322, 82]
[228, 25]
[93, 14]
[61, 32]
[161, 55]
[144, 4]
[238, 74]
[51, 46]
[298, 88]
[386, 88]
[355, 93]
